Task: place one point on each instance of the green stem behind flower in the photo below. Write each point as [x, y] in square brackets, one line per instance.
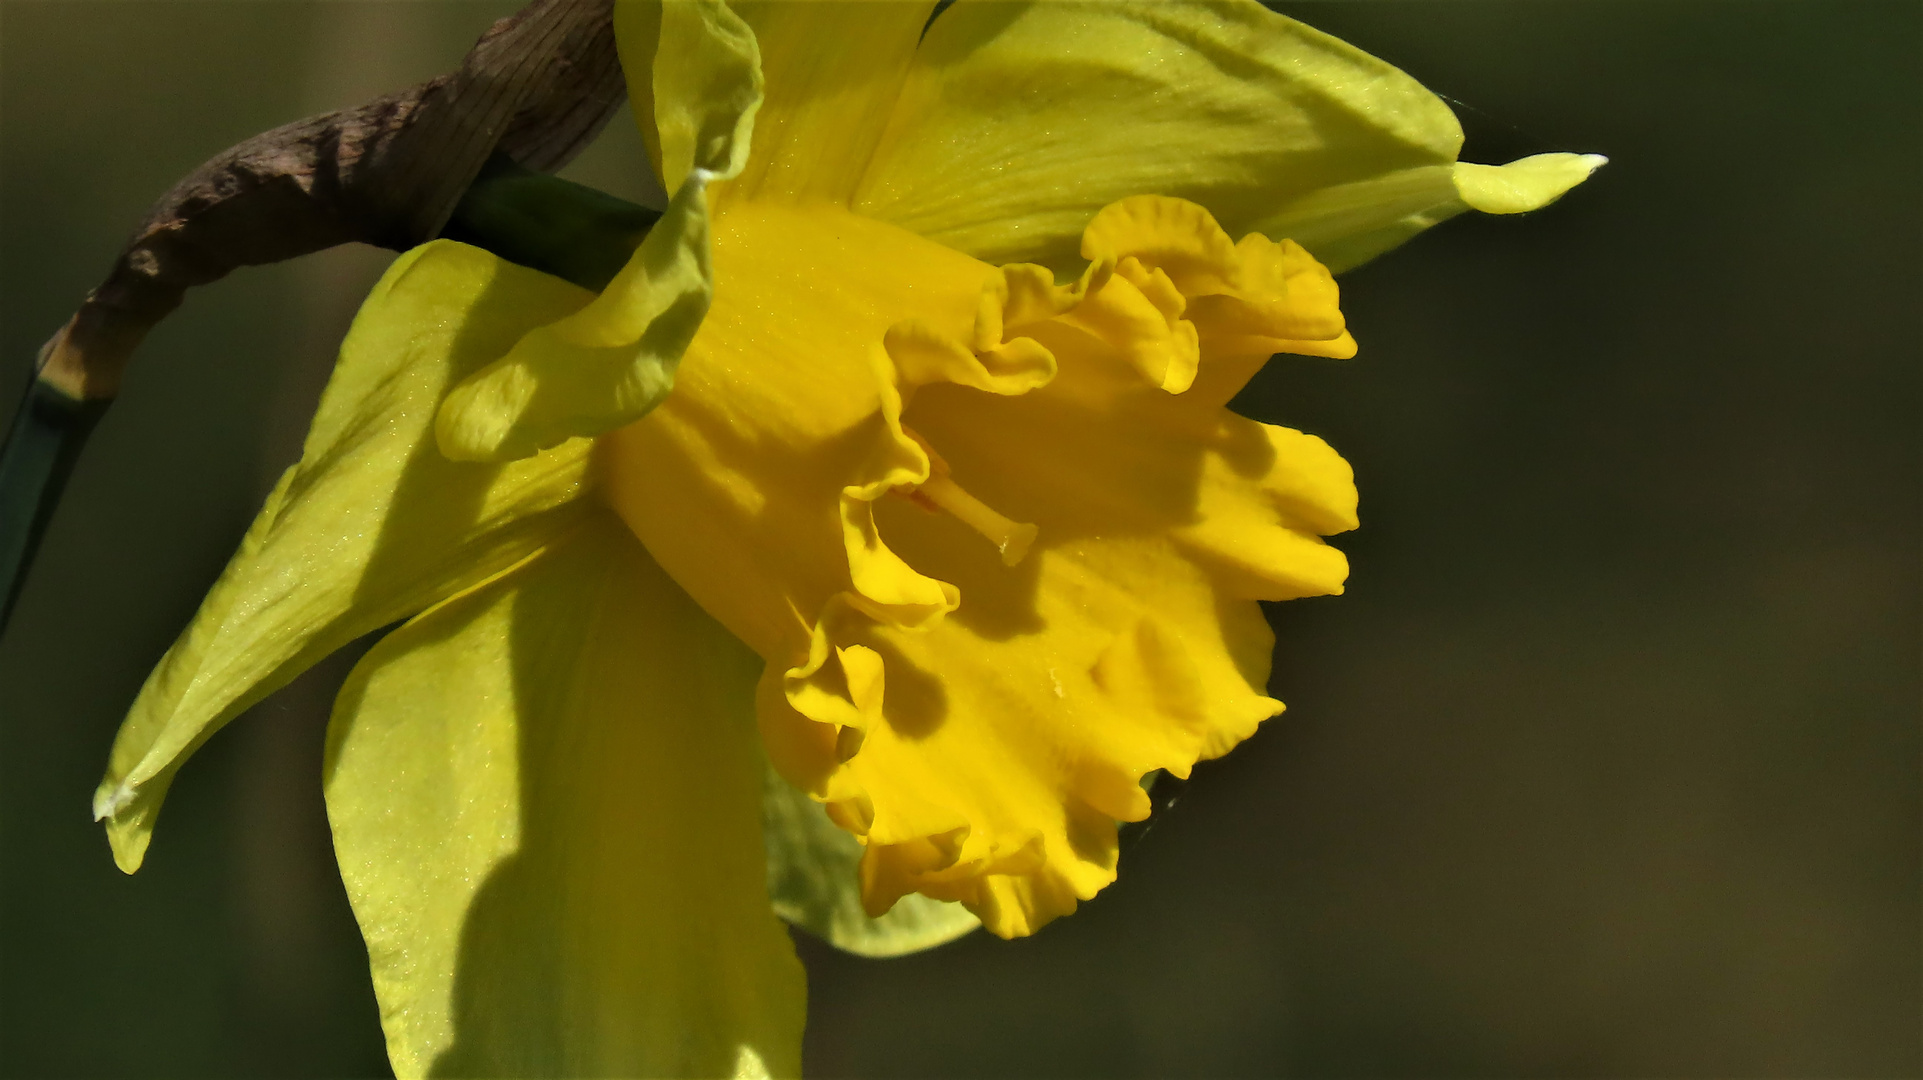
[556, 226]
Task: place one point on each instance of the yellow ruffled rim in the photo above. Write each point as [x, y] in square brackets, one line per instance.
[1166, 290]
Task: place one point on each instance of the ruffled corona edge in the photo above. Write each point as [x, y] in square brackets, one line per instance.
[1168, 303]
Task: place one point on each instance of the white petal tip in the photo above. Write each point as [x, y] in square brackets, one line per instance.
[748, 1064]
[107, 804]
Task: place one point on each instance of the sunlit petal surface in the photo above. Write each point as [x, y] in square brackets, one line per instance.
[372, 525]
[545, 796]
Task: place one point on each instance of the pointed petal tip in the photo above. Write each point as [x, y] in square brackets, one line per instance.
[1526, 184]
[129, 861]
[127, 837]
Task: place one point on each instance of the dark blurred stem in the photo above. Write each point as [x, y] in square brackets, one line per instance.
[556, 226]
[45, 440]
[536, 88]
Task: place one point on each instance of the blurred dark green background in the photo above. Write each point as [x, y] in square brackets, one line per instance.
[1607, 765]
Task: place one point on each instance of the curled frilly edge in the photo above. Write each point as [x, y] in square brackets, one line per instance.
[814, 883]
[1164, 291]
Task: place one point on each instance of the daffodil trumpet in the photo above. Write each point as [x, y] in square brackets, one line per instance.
[856, 551]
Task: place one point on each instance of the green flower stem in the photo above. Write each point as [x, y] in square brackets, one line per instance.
[556, 226]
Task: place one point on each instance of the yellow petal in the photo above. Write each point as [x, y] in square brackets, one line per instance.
[637, 38]
[833, 70]
[370, 527]
[813, 878]
[977, 691]
[612, 361]
[1349, 224]
[694, 80]
[545, 796]
[1019, 121]
[1520, 186]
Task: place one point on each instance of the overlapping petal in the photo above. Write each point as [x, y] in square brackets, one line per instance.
[545, 795]
[372, 525]
[610, 362]
[1020, 120]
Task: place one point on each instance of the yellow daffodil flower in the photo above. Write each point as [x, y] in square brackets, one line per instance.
[945, 514]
